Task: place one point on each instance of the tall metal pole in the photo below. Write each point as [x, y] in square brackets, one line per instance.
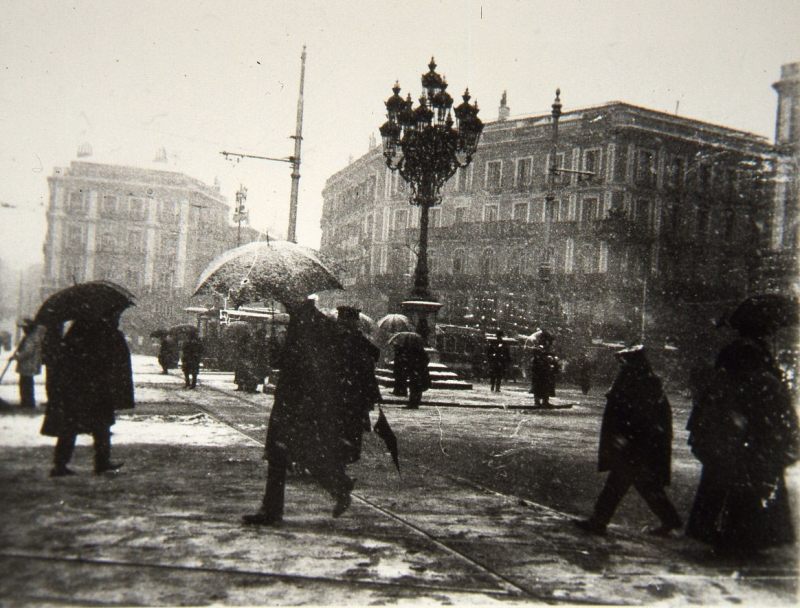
[291, 234]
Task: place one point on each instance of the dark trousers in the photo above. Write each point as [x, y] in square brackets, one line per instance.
[190, 376]
[495, 379]
[65, 447]
[272, 503]
[27, 397]
[617, 485]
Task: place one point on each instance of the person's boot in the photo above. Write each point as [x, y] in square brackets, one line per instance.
[261, 518]
[61, 471]
[591, 525]
[344, 500]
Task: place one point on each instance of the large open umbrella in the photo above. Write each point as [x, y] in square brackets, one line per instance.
[764, 314]
[394, 323]
[365, 323]
[277, 270]
[407, 338]
[84, 301]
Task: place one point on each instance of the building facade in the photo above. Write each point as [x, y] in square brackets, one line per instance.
[661, 224]
[150, 231]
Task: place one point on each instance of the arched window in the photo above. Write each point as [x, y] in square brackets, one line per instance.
[459, 262]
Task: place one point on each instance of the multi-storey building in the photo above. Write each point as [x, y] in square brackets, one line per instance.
[660, 225]
[150, 231]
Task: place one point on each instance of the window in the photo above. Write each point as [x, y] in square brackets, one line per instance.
[520, 212]
[76, 202]
[569, 253]
[603, 261]
[588, 260]
[75, 237]
[591, 163]
[138, 209]
[168, 211]
[644, 170]
[109, 205]
[459, 262]
[164, 279]
[524, 172]
[462, 179]
[488, 262]
[552, 210]
[433, 217]
[133, 278]
[490, 213]
[400, 219]
[108, 242]
[675, 172]
[559, 177]
[167, 244]
[641, 213]
[516, 263]
[135, 242]
[703, 177]
[494, 173]
[461, 215]
[589, 210]
[702, 221]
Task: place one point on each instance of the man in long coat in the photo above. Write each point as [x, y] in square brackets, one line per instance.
[93, 380]
[635, 445]
[544, 368]
[498, 356]
[325, 387]
[29, 361]
[744, 430]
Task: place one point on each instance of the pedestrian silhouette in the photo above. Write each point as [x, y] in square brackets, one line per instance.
[410, 366]
[29, 361]
[635, 445]
[498, 356]
[324, 390]
[744, 430]
[168, 353]
[544, 368]
[93, 380]
[191, 357]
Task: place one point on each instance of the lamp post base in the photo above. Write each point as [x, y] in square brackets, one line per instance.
[423, 315]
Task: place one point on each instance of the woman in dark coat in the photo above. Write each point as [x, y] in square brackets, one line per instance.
[191, 357]
[744, 430]
[93, 379]
[635, 445]
[325, 385]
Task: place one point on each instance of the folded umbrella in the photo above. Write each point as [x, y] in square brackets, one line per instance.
[384, 431]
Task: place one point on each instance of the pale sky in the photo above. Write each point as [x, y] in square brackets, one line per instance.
[204, 76]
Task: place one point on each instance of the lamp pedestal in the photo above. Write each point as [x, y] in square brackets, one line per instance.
[422, 314]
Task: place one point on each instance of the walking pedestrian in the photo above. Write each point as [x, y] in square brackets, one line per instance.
[168, 353]
[498, 356]
[327, 383]
[411, 367]
[635, 445]
[744, 430]
[29, 361]
[94, 381]
[191, 356]
[544, 368]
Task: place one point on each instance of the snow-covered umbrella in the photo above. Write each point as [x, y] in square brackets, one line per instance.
[277, 270]
[394, 323]
[365, 323]
[184, 330]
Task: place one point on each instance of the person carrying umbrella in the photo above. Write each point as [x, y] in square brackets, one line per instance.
[94, 380]
[635, 445]
[191, 356]
[410, 366]
[544, 368]
[325, 388]
[744, 430]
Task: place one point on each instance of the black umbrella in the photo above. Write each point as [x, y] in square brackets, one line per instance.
[764, 314]
[89, 300]
[182, 331]
[384, 431]
[407, 338]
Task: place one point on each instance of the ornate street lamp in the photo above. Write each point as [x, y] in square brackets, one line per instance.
[426, 146]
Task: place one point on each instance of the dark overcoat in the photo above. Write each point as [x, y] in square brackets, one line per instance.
[544, 368]
[192, 354]
[317, 419]
[92, 380]
[636, 431]
[744, 430]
